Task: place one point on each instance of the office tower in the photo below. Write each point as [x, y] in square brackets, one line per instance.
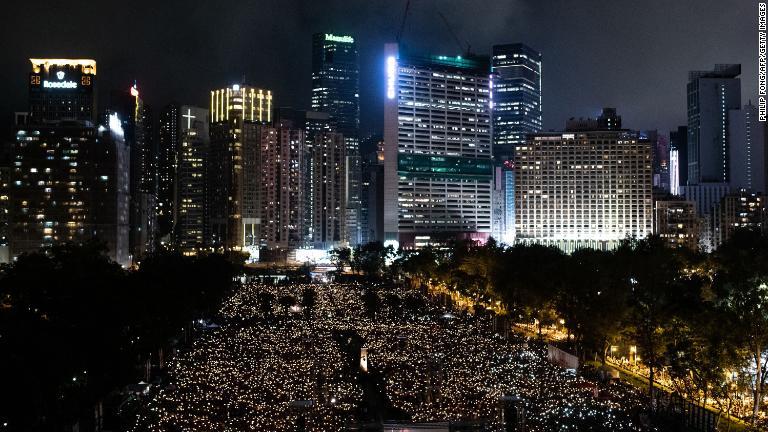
[516, 95]
[676, 222]
[584, 189]
[62, 89]
[711, 94]
[503, 202]
[335, 90]
[69, 183]
[188, 181]
[137, 126]
[282, 187]
[437, 149]
[678, 159]
[233, 166]
[747, 151]
[167, 163]
[741, 209]
[329, 191]
[608, 120]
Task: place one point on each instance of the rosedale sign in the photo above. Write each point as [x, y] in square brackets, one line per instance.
[60, 84]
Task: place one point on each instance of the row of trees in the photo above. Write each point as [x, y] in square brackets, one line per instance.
[75, 327]
[701, 317]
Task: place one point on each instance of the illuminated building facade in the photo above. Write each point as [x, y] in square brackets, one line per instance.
[747, 151]
[282, 185]
[188, 183]
[233, 166]
[137, 124]
[169, 134]
[516, 96]
[329, 191]
[437, 149]
[584, 189]
[311, 123]
[69, 183]
[742, 209]
[678, 159]
[676, 222]
[335, 90]
[711, 94]
[62, 89]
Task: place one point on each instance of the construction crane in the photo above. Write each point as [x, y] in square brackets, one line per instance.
[402, 23]
[455, 37]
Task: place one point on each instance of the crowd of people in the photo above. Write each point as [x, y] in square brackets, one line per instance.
[298, 357]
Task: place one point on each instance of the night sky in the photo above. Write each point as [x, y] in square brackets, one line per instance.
[634, 55]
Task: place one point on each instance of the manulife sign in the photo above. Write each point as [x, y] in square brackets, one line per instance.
[343, 39]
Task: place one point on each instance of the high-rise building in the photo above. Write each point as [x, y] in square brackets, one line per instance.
[711, 95]
[328, 191]
[335, 90]
[676, 222]
[167, 163]
[516, 96]
[584, 189]
[437, 148]
[678, 159]
[747, 152]
[233, 166]
[188, 177]
[62, 89]
[5, 201]
[69, 183]
[311, 123]
[138, 134]
[282, 187]
[741, 209]
[659, 158]
[373, 191]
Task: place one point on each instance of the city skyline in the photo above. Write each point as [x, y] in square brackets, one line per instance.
[178, 65]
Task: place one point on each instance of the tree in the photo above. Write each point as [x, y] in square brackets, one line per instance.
[591, 301]
[371, 258]
[741, 284]
[340, 257]
[650, 271]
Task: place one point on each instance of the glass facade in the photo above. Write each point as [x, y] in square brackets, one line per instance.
[516, 96]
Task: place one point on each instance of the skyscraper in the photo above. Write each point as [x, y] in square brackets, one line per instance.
[188, 181]
[69, 178]
[583, 189]
[233, 166]
[516, 96]
[138, 134]
[437, 148]
[62, 89]
[329, 191]
[167, 154]
[747, 151]
[69, 183]
[335, 90]
[711, 94]
[282, 187]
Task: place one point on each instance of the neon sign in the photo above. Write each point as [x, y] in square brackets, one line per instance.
[343, 39]
[59, 84]
[391, 72]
